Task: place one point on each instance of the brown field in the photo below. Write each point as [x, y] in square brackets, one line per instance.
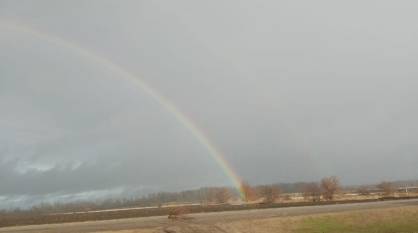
[400, 219]
[383, 216]
[34, 219]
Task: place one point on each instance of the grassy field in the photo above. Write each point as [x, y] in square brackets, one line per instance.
[394, 220]
[382, 221]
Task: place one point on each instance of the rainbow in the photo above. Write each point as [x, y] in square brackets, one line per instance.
[197, 133]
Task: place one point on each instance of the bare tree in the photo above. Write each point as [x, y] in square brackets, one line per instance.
[222, 195]
[270, 193]
[248, 192]
[330, 185]
[387, 188]
[312, 191]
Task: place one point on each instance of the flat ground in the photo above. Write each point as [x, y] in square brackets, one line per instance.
[387, 216]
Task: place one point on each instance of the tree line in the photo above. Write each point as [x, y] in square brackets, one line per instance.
[325, 189]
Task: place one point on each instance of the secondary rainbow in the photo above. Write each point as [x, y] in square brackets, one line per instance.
[198, 134]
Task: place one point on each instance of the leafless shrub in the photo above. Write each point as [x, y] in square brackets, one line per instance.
[178, 213]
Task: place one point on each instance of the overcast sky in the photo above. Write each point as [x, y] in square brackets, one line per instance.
[288, 90]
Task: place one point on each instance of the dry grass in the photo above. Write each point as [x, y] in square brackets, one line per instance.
[394, 220]
[130, 231]
[390, 220]
[403, 219]
[277, 225]
[37, 219]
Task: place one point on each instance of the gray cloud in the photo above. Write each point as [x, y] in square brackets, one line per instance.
[289, 91]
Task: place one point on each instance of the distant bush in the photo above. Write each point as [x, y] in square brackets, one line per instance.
[178, 212]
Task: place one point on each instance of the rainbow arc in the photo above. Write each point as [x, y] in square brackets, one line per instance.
[197, 133]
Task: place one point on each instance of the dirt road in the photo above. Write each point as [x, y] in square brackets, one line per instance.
[203, 222]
